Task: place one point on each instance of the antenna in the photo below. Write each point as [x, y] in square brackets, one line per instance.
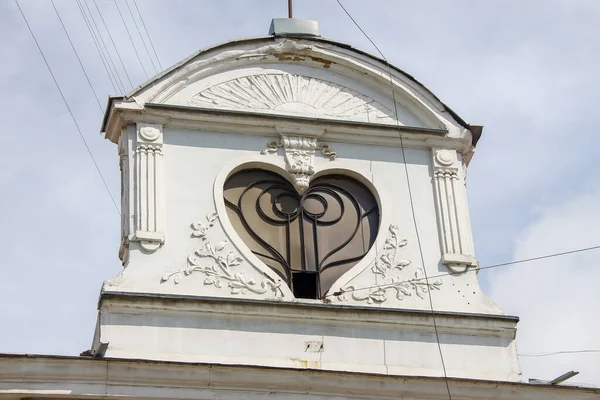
[555, 381]
[290, 9]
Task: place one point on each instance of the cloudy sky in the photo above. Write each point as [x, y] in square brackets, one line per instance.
[525, 70]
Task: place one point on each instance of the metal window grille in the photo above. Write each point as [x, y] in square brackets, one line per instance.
[310, 240]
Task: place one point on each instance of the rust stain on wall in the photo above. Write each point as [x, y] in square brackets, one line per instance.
[288, 57]
[296, 57]
[326, 63]
[298, 363]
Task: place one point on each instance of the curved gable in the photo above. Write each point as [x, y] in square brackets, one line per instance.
[311, 78]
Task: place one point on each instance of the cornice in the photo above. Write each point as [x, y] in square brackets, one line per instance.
[408, 320]
[124, 113]
[86, 378]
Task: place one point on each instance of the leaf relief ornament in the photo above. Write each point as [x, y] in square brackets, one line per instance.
[218, 264]
[389, 268]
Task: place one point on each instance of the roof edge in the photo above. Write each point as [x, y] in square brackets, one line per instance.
[162, 74]
[40, 371]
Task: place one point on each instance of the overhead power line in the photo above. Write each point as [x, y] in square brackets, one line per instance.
[96, 44]
[113, 43]
[68, 108]
[147, 34]
[564, 253]
[77, 55]
[554, 353]
[410, 196]
[141, 37]
[131, 39]
[105, 47]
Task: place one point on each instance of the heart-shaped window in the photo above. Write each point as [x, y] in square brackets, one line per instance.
[310, 240]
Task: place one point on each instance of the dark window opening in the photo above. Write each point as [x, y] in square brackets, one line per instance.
[305, 285]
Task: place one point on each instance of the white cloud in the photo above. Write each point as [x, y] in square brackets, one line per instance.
[558, 298]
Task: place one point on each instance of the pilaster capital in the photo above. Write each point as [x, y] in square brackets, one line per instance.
[445, 159]
[149, 133]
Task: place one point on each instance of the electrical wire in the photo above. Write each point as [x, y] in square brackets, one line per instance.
[437, 336]
[68, 108]
[113, 42]
[103, 43]
[147, 34]
[77, 55]
[131, 39]
[141, 37]
[554, 353]
[96, 44]
[581, 250]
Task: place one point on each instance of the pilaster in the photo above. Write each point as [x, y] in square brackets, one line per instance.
[143, 188]
[149, 212]
[452, 211]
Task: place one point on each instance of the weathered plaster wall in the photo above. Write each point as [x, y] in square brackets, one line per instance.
[274, 334]
[89, 378]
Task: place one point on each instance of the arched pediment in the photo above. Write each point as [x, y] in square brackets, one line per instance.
[311, 78]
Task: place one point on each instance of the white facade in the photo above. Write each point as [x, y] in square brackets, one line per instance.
[204, 126]
[211, 319]
[303, 108]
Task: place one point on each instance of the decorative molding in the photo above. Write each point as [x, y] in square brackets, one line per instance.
[272, 147]
[326, 152]
[385, 267]
[299, 160]
[285, 93]
[221, 270]
[266, 124]
[299, 153]
[452, 212]
[148, 213]
[291, 129]
[445, 158]
[149, 133]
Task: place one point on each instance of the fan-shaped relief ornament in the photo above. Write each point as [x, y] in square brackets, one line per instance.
[392, 274]
[284, 93]
[220, 265]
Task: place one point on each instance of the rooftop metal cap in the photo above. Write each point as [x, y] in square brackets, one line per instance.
[293, 27]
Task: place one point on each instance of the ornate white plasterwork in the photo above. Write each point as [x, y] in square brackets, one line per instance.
[142, 201]
[391, 272]
[222, 269]
[452, 212]
[285, 93]
[300, 157]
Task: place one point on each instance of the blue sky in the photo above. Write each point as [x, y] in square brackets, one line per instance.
[527, 71]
